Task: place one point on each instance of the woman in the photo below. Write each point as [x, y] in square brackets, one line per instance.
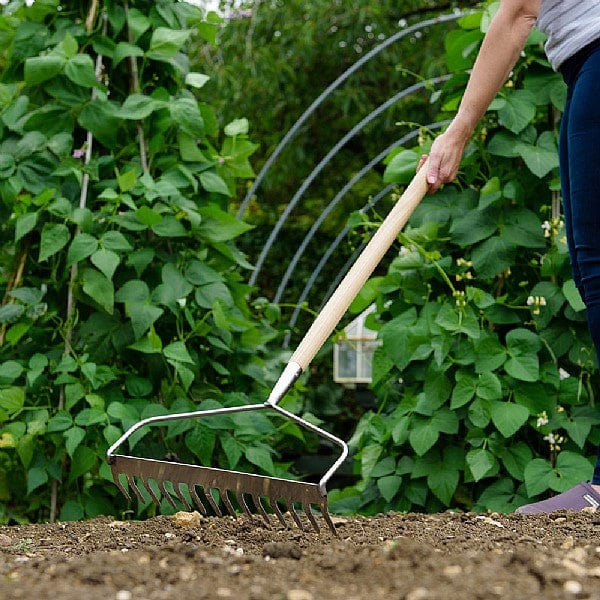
[573, 48]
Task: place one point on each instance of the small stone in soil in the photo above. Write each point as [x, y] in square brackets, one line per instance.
[282, 550]
[572, 587]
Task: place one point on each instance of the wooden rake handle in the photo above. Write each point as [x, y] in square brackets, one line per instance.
[360, 271]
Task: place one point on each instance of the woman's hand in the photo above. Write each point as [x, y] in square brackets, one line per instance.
[445, 156]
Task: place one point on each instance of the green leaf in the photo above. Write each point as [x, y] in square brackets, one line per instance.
[55, 237]
[384, 467]
[12, 399]
[150, 344]
[473, 226]
[106, 261]
[82, 246]
[236, 127]
[542, 157]
[137, 107]
[201, 441]
[402, 167]
[133, 291]
[518, 110]
[571, 469]
[11, 312]
[261, 457]
[143, 316]
[165, 43]
[489, 387]
[523, 346]
[98, 287]
[170, 227]
[460, 48]
[463, 391]
[125, 50]
[186, 114]
[60, 422]
[493, 256]
[196, 80]
[126, 180]
[25, 224]
[90, 416]
[219, 226]
[41, 68]
[82, 462]
[212, 182]
[99, 119]
[389, 486]
[80, 69]
[73, 437]
[7, 166]
[10, 370]
[572, 295]
[369, 456]
[188, 148]
[147, 216]
[206, 295]
[36, 477]
[177, 351]
[538, 476]
[71, 510]
[115, 240]
[515, 458]
[137, 21]
[509, 417]
[422, 436]
[232, 449]
[489, 354]
[443, 484]
[480, 462]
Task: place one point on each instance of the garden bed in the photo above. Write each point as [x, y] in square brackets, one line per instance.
[412, 556]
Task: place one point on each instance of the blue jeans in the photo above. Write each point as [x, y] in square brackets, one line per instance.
[580, 181]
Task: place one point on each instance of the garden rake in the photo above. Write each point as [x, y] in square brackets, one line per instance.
[203, 486]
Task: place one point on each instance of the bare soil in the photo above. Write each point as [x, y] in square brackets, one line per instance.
[412, 557]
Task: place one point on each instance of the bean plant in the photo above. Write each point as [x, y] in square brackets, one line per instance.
[486, 375]
[124, 292]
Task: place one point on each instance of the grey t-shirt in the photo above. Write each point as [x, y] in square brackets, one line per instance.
[570, 26]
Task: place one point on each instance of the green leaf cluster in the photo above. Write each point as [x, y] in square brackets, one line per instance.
[486, 373]
[123, 284]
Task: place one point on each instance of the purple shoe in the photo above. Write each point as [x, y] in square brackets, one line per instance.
[582, 496]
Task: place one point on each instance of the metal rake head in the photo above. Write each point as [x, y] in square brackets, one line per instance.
[217, 488]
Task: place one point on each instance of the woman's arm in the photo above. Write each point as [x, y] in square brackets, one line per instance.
[499, 52]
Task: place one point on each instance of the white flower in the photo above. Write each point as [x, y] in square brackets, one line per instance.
[563, 374]
[542, 420]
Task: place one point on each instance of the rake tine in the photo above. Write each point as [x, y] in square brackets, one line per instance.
[327, 518]
[311, 517]
[212, 502]
[179, 493]
[167, 495]
[242, 502]
[261, 508]
[151, 491]
[121, 487]
[277, 511]
[227, 502]
[295, 516]
[136, 489]
[196, 498]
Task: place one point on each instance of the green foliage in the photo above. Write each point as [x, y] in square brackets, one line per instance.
[124, 292]
[486, 371]
[273, 61]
